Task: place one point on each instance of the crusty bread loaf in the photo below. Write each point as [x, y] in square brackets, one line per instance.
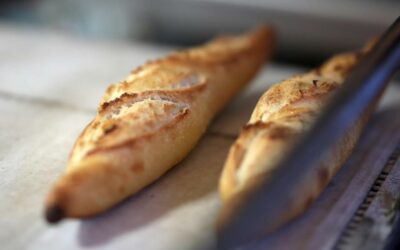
[282, 114]
[149, 122]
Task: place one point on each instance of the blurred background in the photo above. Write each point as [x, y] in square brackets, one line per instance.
[307, 30]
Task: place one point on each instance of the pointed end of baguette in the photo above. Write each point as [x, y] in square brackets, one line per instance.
[54, 214]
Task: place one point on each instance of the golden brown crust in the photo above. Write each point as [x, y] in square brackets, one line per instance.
[163, 103]
[282, 114]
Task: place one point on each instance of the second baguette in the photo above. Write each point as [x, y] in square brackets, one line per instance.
[284, 112]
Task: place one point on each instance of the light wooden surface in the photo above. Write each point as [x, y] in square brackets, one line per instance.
[50, 85]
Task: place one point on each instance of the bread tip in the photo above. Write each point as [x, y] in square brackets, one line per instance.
[54, 214]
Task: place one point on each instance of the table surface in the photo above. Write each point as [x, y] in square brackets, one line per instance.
[50, 84]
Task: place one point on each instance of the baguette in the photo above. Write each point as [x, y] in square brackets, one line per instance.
[282, 114]
[149, 122]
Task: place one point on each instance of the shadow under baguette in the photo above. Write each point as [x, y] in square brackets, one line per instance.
[194, 178]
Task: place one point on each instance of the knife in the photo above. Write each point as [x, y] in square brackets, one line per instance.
[253, 219]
